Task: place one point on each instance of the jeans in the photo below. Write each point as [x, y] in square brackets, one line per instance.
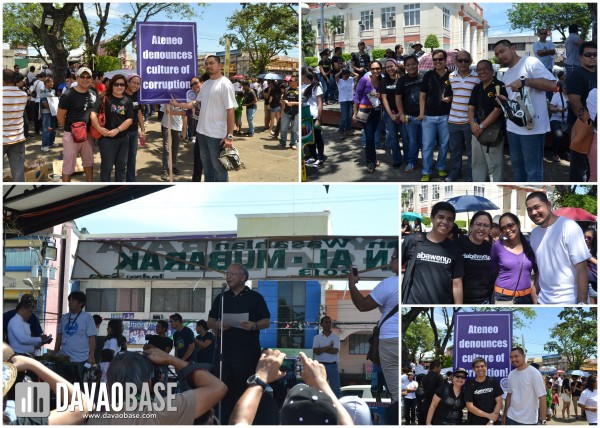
[325, 86]
[411, 139]
[579, 169]
[250, 112]
[557, 136]
[174, 147]
[509, 421]
[410, 406]
[527, 156]
[332, 89]
[37, 122]
[113, 152]
[191, 128]
[47, 135]
[210, 148]
[333, 377]
[391, 137]
[286, 121]
[459, 134]
[346, 110]
[369, 131]
[434, 128]
[16, 160]
[377, 133]
[523, 300]
[133, 138]
[197, 172]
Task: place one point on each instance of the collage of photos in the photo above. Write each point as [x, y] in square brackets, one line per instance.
[300, 213]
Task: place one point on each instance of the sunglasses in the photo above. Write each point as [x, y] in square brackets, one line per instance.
[117, 85]
[590, 54]
[459, 377]
[375, 68]
[508, 226]
[439, 59]
[194, 84]
[85, 77]
[588, 238]
[461, 60]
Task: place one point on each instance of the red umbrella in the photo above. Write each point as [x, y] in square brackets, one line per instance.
[238, 76]
[426, 62]
[577, 214]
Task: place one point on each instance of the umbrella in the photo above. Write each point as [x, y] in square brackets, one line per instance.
[579, 373]
[577, 214]
[411, 216]
[466, 203]
[426, 61]
[239, 76]
[273, 76]
[560, 372]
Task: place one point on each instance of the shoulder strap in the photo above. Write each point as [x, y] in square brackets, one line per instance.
[390, 314]
[408, 274]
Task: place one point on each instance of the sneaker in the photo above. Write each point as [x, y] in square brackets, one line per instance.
[309, 161]
[281, 146]
[294, 147]
[45, 149]
[426, 177]
[318, 163]
[409, 168]
[442, 173]
[370, 167]
[349, 132]
[556, 158]
[176, 171]
[450, 179]
[164, 176]
[341, 136]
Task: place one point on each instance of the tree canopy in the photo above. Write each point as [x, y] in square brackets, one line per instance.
[555, 16]
[576, 196]
[575, 337]
[263, 31]
[431, 42]
[308, 39]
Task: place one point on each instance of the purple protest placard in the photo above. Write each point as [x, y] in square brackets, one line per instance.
[487, 335]
[167, 60]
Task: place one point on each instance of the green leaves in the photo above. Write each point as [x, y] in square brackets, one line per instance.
[556, 16]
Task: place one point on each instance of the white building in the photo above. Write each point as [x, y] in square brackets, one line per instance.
[384, 25]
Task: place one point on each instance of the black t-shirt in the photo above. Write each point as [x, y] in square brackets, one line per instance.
[275, 97]
[477, 280]
[410, 89]
[388, 87]
[483, 396]
[136, 106]
[484, 100]
[450, 408]
[182, 340]
[78, 106]
[580, 82]
[436, 87]
[435, 268]
[160, 342]
[361, 61]
[205, 355]
[292, 95]
[237, 341]
[431, 383]
[250, 96]
[117, 111]
[337, 62]
[326, 64]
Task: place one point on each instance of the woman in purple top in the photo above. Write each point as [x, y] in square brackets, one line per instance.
[513, 260]
[367, 102]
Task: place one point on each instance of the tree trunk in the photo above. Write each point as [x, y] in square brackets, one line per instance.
[407, 319]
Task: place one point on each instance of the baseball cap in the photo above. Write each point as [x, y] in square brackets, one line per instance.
[305, 405]
[83, 70]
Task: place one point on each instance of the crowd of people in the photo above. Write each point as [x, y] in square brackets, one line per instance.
[91, 110]
[429, 398]
[496, 263]
[222, 374]
[462, 109]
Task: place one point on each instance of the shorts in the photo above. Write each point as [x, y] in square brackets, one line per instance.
[72, 149]
[275, 110]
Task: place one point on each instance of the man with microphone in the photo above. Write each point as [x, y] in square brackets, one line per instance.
[240, 343]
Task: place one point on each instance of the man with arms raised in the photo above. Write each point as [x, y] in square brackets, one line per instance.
[560, 252]
[526, 399]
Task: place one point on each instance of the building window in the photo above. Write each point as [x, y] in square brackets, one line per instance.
[318, 28]
[448, 192]
[358, 344]
[366, 20]
[436, 192]
[412, 14]
[424, 193]
[446, 18]
[479, 191]
[114, 300]
[291, 314]
[388, 17]
[178, 300]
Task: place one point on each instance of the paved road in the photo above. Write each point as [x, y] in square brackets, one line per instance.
[263, 160]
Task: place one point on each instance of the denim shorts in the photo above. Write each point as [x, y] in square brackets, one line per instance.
[275, 110]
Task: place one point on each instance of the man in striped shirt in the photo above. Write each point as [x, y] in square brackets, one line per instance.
[462, 80]
[14, 102]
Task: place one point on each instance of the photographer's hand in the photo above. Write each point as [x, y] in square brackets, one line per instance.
[269, 364]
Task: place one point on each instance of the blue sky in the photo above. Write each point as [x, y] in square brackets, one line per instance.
[495, 14]
[355, 209]
[536, 332]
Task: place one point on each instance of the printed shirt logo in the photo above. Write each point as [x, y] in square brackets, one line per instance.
[477, 257]
[120, 110]
[71, 328]
[434, 258]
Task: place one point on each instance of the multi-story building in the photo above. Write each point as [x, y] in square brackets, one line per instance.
[384, 25]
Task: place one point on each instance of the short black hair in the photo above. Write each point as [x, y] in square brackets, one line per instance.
[589, 45]
[518, 349]
[439, 51]
[325, 317]
[573, 28]
[478, 360]
[540, 195]
[203, 324]
[163, 323]
[79, 296]
[443, 206]
[176, 317]
[215, 57]
[504, 42]
[97, 319]
[435, 364]
[488, 63]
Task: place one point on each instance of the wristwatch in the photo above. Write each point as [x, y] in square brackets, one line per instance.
[229, 137]
[255, 380]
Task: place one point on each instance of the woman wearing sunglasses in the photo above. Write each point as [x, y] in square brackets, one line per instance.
[113, 142]
[449, 401]
[513, 260]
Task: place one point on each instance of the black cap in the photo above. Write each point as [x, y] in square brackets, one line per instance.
[305, 405]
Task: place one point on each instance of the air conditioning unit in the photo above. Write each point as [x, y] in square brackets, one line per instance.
[157, 316]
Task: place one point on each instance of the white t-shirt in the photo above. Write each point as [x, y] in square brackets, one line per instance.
[556, 102]
[558, 248]
[530, 67]
[38, 87]
[346, 92]
[592, 103]
[217, 96]
[412, 385]
[385, 295]
[19, 336]
[404, 381]
[590, 399]
[176, 121]
[320, 341]
[526, 386]
[312, 101]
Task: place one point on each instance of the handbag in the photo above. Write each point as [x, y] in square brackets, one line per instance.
[79, 132]
[363, 114]
[373, 353]
[490, 136]
[512, 300]
[582, 133]
[101, 120]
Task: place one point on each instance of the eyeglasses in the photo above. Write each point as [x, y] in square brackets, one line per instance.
[590, 54]
[459, 377]
[482, 225]
[375, 68]
[117, 85]
[588, 238]
[85, 77]
[508, 226]
[439, 59]
[461, 60]
[194, 84]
